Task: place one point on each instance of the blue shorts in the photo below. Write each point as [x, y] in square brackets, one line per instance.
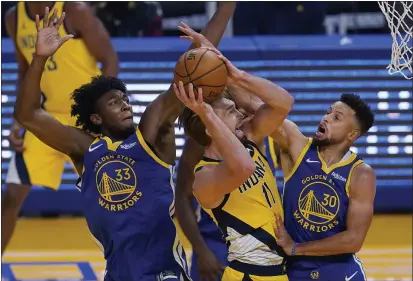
[350, 270]
[218, 247]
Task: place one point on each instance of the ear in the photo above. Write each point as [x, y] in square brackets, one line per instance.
[354, 135]
[95, 119]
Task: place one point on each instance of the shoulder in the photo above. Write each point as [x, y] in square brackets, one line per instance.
[77, 7]
[77, 12]
[363, 181]
[364, 171]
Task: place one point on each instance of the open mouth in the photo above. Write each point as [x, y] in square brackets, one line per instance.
[321, 129]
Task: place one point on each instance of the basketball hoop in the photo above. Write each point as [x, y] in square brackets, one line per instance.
[399, 17]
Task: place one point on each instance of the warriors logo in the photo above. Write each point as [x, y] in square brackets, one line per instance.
[116, 183]
[318, 207]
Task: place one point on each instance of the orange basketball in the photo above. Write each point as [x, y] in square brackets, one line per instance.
[203, 69]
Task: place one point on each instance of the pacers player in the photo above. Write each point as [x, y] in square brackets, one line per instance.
[233, 182]
[328, 194]
[126, 173]
[34, 162]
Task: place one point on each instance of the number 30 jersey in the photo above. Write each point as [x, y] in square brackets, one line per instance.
[68, 69]
[247, 215]
[316, 199]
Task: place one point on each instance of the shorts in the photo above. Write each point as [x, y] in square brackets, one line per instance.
[244, 272]
[38, 164]
[350, 270]
[218, 247]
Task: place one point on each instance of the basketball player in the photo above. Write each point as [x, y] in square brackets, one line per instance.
[35, 163]
[328, 194]
[126, 172]
[240, 194]
[209, 250]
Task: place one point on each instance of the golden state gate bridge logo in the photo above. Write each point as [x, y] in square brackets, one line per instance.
[318, 204]
[116, 181]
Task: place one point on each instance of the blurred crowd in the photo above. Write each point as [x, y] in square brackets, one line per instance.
[151, 18]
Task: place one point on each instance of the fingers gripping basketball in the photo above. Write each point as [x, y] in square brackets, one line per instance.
[203, 69]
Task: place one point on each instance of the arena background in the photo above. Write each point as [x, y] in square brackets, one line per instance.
[315, 69]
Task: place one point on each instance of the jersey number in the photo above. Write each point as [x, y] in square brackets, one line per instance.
[122, 174]
[268, 195]
[329, 200]
[50, 64]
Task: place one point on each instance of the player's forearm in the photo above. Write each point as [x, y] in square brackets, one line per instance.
[342, 243]
[110, 65]
[270, 93]
[216, 26]
[187, 220]
[244, 99]
[230, 148]
[29, 96]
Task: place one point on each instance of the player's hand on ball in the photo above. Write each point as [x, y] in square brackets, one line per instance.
[48, 39]
[234, 74]
[284, 240]
[198, 39]
[194, 103]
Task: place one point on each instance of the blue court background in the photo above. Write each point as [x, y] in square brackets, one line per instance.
[315, 69]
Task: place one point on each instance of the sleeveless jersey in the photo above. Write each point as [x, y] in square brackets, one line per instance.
[316, 201]
[247, 215]
[129, 208]
[69, 68]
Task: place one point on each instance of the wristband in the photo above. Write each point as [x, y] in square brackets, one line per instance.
[293, 249]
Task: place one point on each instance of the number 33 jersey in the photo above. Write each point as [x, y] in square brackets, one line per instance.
[247, 215]
[128, 197]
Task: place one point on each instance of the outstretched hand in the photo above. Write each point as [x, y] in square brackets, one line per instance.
[196, 38]
[196, 104]
[48, 39]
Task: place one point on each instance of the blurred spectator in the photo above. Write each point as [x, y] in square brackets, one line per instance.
[279, 18]
[130, 19]
[5, 5]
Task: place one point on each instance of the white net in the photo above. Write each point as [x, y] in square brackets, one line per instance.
[399, 16]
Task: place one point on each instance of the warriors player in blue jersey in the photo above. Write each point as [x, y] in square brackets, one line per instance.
[328, 194]
[126, 173]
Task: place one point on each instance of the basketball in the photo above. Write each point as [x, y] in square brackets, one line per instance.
[203, 69]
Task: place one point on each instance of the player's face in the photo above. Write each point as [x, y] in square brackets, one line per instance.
[115, 113]
[337, 126]
[226, 111]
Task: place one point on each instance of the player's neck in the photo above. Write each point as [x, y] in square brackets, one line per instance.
[212, 153]
[37, 8]
[333, 154]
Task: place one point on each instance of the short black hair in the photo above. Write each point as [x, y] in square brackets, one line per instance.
[86, 96]
[364, 114]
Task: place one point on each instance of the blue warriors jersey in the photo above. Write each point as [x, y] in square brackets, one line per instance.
[316, 199]
[129, 208]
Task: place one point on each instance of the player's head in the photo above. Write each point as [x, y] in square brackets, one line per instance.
[225, 109]
[102, 107]
[345, 121]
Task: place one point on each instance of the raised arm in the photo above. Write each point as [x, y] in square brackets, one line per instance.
[84, 24]
[161, 114]
[277, 102]
[28, 112]
[359, 216]
[212, 182]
